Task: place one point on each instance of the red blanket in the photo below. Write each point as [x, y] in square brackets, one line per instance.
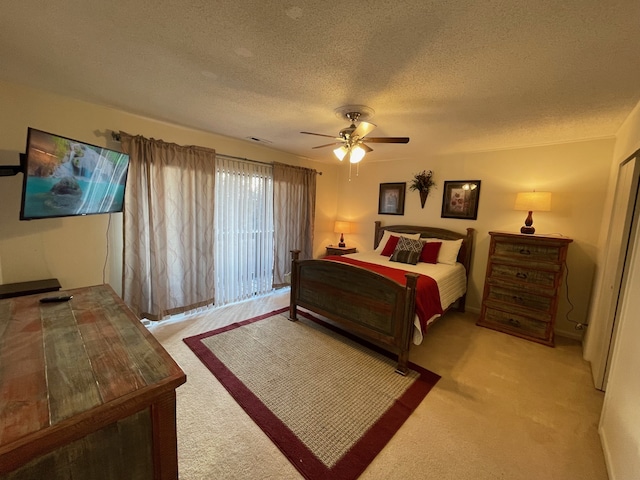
[427, 293]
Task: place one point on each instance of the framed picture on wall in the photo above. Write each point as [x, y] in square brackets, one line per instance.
[391, 199]
[460, 199]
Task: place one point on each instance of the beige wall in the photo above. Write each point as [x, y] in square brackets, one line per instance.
[74, 249]
[575, 173]
[620, 421]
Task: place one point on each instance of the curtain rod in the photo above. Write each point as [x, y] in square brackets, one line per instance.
[116, 137]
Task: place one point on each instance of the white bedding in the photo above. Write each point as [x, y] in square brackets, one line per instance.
[451, 281]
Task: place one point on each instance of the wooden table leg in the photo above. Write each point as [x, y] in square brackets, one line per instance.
[165, 445]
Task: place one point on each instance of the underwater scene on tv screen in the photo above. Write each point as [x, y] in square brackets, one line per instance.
[64, 177]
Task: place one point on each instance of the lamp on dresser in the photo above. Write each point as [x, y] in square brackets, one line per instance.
[530, 202]
[342, 228]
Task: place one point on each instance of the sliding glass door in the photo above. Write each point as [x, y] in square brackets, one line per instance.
[243, 233]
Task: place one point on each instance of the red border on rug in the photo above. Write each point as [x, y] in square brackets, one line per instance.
[356, 460]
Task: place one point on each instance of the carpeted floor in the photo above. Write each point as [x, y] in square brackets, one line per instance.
[505, 408]
[328, 403]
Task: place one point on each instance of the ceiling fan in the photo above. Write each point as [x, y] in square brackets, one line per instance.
[352, 138]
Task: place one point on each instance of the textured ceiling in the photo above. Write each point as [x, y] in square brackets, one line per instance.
[454, 76]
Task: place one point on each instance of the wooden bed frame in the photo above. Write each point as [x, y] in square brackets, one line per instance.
[366, 303]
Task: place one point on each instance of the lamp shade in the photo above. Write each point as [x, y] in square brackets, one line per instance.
[533, 201]
[342, 227]
[340, 152]
[357, 154]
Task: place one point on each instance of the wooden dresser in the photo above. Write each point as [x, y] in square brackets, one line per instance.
[85, 391]
[522, 284]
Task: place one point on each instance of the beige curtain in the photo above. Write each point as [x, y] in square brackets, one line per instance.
[168, 227]
[294, 205]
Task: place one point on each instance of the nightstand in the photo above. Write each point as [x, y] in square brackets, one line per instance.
[522, 285]
[335, 250]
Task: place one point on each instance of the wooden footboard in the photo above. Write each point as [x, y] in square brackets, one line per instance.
[366, 303]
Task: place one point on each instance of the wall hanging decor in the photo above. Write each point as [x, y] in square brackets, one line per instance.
[422, 182]
[391, 199]
[460, 199]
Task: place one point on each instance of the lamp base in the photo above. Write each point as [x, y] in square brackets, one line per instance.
[528, 230]
[342, 244]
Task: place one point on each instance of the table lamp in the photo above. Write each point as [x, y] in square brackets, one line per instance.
[530, 202]
[342, 228]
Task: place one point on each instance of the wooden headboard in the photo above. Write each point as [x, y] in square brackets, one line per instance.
[464, 255]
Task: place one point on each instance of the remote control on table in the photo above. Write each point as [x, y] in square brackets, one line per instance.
[59, 298]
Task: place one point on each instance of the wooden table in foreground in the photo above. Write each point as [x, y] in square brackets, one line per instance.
[85, 391]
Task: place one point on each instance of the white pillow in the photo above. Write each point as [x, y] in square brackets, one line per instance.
[448, 251]
[387, 234]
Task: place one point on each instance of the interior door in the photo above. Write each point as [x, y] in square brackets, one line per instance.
[602, 331]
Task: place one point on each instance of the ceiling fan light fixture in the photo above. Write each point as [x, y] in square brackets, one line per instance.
[353, 148]
[340, 152]
[357, 154]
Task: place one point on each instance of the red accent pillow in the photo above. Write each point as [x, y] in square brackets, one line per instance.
[389, 248]
[430, 251]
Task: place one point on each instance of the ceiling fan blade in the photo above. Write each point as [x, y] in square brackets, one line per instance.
[363, 129]
[320, 135]
[327, 145]
[388, 139]
[366, 147]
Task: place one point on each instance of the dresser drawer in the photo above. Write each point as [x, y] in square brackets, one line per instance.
[522, 283]
[523, 274]
[520, 297]
[528, 251]
[514, 323]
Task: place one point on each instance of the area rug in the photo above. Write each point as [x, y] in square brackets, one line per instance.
[327, 401]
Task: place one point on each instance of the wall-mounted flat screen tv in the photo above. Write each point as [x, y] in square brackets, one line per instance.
[65, 177]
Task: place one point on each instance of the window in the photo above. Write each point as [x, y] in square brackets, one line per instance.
[243, 232]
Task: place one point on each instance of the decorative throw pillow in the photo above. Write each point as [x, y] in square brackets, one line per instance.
[430, 252]
[388, 249]
[448, 251]
[407, 251]
[387, 234]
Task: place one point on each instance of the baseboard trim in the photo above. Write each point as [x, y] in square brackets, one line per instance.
[475, 310]
[606, 452]
[569, 334]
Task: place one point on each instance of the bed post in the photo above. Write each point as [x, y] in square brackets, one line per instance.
[409, 314]
[293, 308]
[468, 247]
[377, 236]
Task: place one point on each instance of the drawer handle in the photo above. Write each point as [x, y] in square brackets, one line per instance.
[524, 251]
[518, 299]
[514, 322]
[521, 275]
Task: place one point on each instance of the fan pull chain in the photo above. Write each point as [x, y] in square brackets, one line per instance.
[357, 170]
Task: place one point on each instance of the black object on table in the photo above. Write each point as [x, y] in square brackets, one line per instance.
[10, 290]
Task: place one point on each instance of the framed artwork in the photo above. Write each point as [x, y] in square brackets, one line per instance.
[460, 199]
[391, 200]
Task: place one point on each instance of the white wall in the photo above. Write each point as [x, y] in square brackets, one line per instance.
[620, 421]
[597, 339]
[74, 249]
[575, 173]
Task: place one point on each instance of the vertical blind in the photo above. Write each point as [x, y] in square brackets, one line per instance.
[243, 230]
